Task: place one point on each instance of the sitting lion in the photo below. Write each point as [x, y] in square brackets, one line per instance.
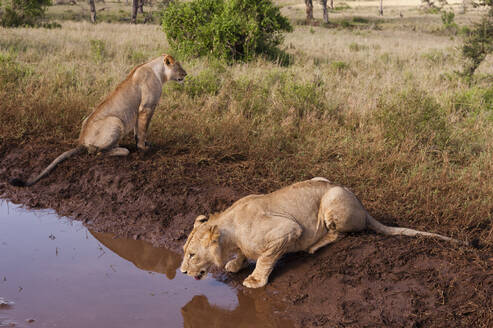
[128, 108]
[304, 216]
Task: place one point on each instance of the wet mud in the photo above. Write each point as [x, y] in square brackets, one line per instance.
[363, 280]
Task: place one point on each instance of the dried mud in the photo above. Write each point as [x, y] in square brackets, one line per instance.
[364, 280]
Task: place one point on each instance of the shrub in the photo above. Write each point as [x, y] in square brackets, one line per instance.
[473, 100]
[136, 56]
[303, 97]
[225, 29]
[357, 47]
[23, 12]
[361, 20]
[98, 50]
[206, 83]
[465, 30]
[448, 18]
[436, 57]
[414, 115]
[339, 65]
[11, 72]
[448, 21]
[479, 42]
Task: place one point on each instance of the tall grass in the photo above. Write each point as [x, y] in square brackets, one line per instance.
[378, 111]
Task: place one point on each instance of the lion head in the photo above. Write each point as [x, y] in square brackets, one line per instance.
[202, 249]
[174, 71]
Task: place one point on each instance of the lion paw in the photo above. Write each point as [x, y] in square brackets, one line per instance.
[252, 282]
[312, 250]
[235, 265]
[232, 266]
[144, 147]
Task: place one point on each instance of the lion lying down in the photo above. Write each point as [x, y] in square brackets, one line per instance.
[304, 216]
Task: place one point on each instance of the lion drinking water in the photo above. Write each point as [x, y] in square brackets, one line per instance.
[304, 216]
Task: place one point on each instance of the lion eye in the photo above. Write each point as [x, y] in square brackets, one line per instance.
[191, 255]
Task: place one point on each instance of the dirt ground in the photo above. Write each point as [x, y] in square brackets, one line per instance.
[364, 280]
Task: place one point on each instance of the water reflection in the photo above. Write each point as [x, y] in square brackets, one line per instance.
[61, 275]
[249, 313]
[143, 255]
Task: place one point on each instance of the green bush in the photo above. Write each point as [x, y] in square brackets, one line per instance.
[12, 72]
[355, 47]
[23, 12]
[361, 20]
[225, 29]
[473, 100]
[479, 42]
[339, 65]
[206, 83]
[413, 115]
[448, 18]
[136, 56]
[98, 50]
[303, 97]
[252, 96]
[436, 57]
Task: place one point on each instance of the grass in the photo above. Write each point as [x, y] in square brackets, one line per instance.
[380, 111]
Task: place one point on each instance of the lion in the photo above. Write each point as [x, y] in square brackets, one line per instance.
[304, 216]
[130, 106]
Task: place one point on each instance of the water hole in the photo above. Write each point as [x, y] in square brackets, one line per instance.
[56, 273]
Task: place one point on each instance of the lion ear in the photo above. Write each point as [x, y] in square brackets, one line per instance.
[200, 220]
[168, 60]
[215, 234]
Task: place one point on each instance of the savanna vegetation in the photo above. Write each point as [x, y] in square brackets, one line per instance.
[376, 103]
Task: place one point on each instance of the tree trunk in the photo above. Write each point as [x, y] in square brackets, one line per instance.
[141, 6]
[93, 11]
[331, 4]
[135, 7]
[326, 13]
[309, 10]
[381, 8]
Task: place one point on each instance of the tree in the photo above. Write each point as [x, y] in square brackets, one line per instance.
[326, 13]
[135, 7]
[23, 12]
[231, 30]
[309, 10]
[381, 8]
[141, 6]
[479, 43]
[93, 11]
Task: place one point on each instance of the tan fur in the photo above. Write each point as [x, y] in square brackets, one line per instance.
[301, 217]
[129, 107]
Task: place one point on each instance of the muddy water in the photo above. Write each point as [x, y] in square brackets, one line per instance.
[59, 274]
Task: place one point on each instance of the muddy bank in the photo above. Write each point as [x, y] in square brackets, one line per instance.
[364, 280]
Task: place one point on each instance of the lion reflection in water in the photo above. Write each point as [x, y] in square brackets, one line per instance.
[250, 312]
[142, 254]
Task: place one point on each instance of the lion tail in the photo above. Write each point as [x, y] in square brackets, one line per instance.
[21, 183]
[395, 231]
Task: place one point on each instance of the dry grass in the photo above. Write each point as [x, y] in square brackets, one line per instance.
[378, 110]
